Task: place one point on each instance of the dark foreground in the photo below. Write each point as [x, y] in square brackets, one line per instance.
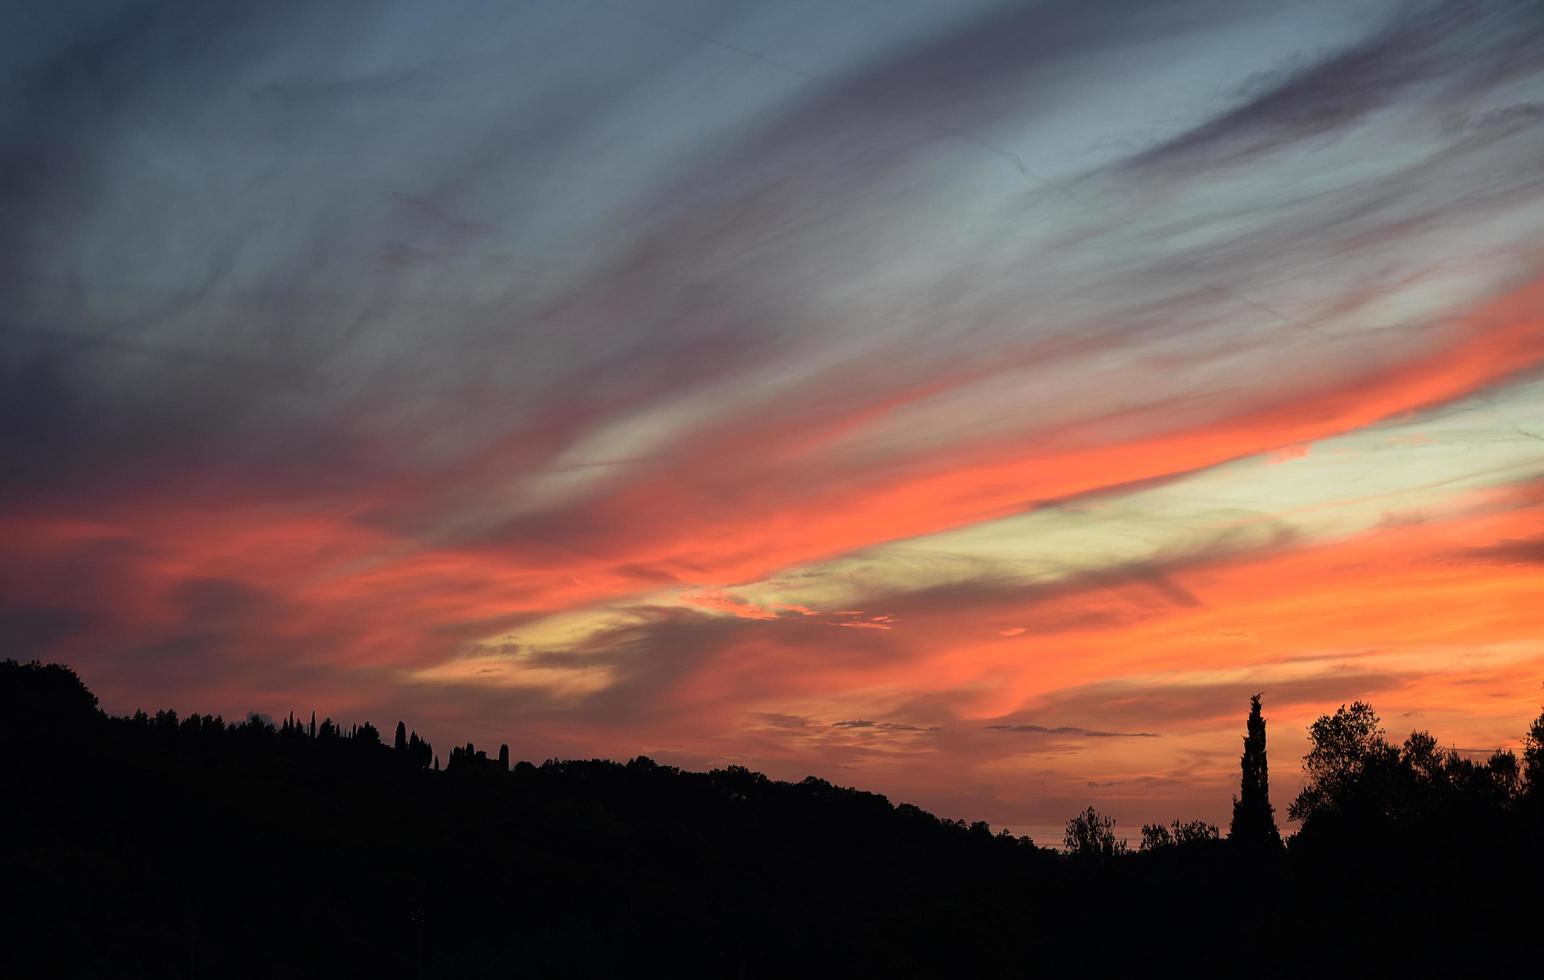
[165, 847]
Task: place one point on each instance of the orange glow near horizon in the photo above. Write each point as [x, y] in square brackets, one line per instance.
[1370, 613]
[667, 390]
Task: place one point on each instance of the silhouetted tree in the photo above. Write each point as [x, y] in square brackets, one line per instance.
[1254, 819]
[504, 756]
[1091, 835]
[1533, 759]
[1505, 773]
[419, 752]
[1343, 747]
[1156, 836]
[367, 734]
[400, 742]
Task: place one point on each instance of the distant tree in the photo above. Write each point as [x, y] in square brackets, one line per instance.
[1343, 748]
[419, 752]
[313, 724]
[1505, 773]
[1091, 835]
[400, 742]
[1533, 759]
[1254, 819]
[328, 729]
[504, 756]
[1155, 836]
[35, 692]
[367, 734]
[1177, 833]
[1194, 831]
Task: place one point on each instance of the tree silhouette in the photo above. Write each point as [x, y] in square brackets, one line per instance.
[400, 742]
[419, 752]
[1254, 819]
[1156, 836]
[1344, 748]
[1533, 759]
[367, 734]
[1091, 835]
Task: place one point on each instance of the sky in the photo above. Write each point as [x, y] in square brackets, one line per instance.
[973, 402]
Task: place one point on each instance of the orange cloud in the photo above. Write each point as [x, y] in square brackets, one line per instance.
[168, 594]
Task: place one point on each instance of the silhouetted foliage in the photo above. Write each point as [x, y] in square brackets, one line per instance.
[1348, 749]
[1091, 836]
[1254, 819]
[420, 753]
[153, 845]
[1177, 834]
[1533, 758]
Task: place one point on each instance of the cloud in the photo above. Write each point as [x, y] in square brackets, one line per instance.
[1512, 551]
[882, 726]
[1200, 703]
[553, 368]
[1070, 730]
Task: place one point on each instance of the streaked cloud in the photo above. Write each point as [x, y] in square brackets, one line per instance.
[907, 392]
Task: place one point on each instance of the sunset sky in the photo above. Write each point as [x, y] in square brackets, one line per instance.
[971, 402]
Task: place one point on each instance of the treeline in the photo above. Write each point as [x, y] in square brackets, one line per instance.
[1361, 792]
[153, 845]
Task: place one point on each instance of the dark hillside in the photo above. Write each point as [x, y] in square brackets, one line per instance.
[159, 846]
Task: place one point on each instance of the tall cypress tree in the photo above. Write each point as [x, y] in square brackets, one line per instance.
[1254, 819]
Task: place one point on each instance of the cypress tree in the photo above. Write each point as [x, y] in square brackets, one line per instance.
[1254, 819]
[400, 743]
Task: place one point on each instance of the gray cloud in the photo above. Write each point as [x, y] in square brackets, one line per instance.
[1513, 551]
[1070, 730]
[881, 726]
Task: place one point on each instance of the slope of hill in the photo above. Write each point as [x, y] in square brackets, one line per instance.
[158, 846]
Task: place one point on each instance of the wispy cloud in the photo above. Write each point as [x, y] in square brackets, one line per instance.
[954, 391]
[1070, 730]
